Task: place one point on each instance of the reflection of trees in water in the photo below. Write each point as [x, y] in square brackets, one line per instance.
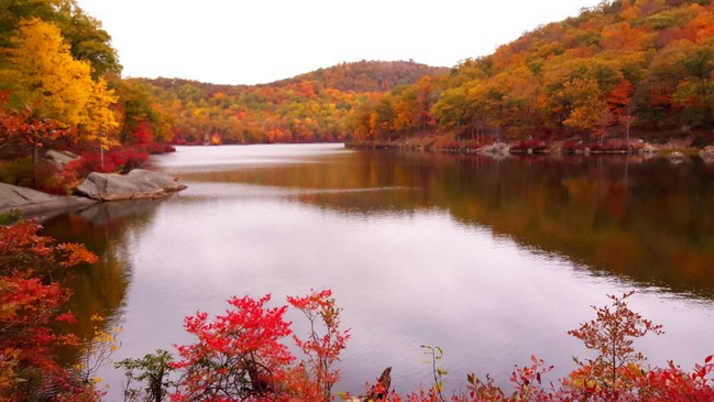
[632, 216]
[100, 289]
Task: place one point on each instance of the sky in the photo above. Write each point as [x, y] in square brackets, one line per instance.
[253, 42]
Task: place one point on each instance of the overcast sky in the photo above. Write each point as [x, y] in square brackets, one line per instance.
[250, 42]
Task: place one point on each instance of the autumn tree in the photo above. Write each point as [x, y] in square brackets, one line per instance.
[98, 120]
[87, 40]
[611, 335]
[588, 110]
[140, 111]
[623, 107]
[48, 78]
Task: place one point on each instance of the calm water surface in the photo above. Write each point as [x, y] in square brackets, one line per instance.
[492, 260]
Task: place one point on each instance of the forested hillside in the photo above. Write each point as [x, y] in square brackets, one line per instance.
[367, 76]
[620, 66]
[313, 107]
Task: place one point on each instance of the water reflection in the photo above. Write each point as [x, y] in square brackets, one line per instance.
[629, 216]
[491, 259]
[100, 290]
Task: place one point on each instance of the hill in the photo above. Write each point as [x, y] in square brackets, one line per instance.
[622, 65]
[316, 106]
[367, 76]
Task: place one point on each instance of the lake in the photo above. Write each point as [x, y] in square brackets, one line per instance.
[491, 259]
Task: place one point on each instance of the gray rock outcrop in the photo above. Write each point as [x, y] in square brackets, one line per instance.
[497, 148]
[136, 184]
[33, 202]
[60, 158]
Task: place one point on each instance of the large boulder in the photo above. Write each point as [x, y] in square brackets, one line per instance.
[137, 184]
[60, 158]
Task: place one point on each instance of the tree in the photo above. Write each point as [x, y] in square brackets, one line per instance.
[98, 120]
[588, 110]
[611, 334]
[49, 80]
[622, 106]
[87, 40]
[136, 106]
[19, 130]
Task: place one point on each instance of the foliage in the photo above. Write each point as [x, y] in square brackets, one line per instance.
[12, 217]
[324, 350]
[611, 334]
[436, 354]
[588, 383]
[241, 355]
[20, 131]
[237, 356]
[619, 66]
[31, 304]
[98, 121]
[118, 159]
[153, 370]
[88, 41]
[313, 107]
[365, 76]
[46, 75]
[97, 351]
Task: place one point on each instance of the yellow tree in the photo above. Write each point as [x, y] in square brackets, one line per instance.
[99, 122]
[589, 110]
[47, 78]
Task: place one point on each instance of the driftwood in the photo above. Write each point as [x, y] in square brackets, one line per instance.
[380, 390]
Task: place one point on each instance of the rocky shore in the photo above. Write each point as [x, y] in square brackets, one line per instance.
[32, 202]
[98, 187]
[503, 149]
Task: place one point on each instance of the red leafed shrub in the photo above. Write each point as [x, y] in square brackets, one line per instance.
[118, 160]
[237, 355]
[241, 355]
[31, 305]
[156, 148]
[324, 349]
[523, 146]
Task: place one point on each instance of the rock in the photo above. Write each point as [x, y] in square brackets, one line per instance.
[707, 153]
[497, 148]
[648, 149]
[60, 158]
[137, 184]
[676, 155]
[33, 202]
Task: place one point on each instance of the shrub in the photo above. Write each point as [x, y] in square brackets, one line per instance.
[118, 160]
[40, 176]
[32, 305]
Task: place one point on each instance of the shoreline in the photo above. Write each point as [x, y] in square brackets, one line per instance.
[33, 203]
[519, 149]
[96, 188]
